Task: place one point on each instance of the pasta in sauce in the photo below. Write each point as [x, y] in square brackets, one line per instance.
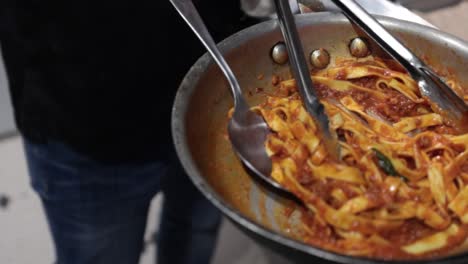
[400, 190]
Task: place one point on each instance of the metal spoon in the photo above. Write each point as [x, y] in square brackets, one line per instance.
[444, 100]
[247, 130]
[302, 76]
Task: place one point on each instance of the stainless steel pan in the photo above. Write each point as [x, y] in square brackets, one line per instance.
[199, 121]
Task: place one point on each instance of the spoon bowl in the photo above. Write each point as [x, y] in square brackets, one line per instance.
[247, 130]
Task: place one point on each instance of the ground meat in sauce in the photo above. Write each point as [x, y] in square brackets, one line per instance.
[368, 82]
[341, 75]
[409, 232]
[400, 105]
[378, 196]
[324, 91]
[443, 129]
[395, 106]
[321, 233]
[275, 80]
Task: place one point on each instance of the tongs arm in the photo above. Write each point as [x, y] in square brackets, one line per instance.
[302, 75]
[443, 98]
[297, 59]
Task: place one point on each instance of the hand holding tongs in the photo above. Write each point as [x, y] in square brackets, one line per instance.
[443, 99]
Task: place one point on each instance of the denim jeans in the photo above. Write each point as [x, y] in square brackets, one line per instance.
[97, 213]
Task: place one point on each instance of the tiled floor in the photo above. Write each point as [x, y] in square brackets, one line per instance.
[23, 231]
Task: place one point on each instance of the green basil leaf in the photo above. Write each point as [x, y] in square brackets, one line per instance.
[386, 165]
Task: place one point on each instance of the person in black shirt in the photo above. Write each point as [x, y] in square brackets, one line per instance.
[92, 85]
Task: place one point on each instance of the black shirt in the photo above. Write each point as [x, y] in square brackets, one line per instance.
[101, 75]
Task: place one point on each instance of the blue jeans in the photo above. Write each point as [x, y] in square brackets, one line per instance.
[97, 213]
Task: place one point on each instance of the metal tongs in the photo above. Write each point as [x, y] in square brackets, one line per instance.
[443, 99]
[302, 75]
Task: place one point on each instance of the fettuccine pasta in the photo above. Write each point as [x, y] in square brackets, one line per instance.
[400, 190]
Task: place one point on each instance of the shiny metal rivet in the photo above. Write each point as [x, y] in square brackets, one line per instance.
[279, 54]
[320, 58]
[359, 48]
